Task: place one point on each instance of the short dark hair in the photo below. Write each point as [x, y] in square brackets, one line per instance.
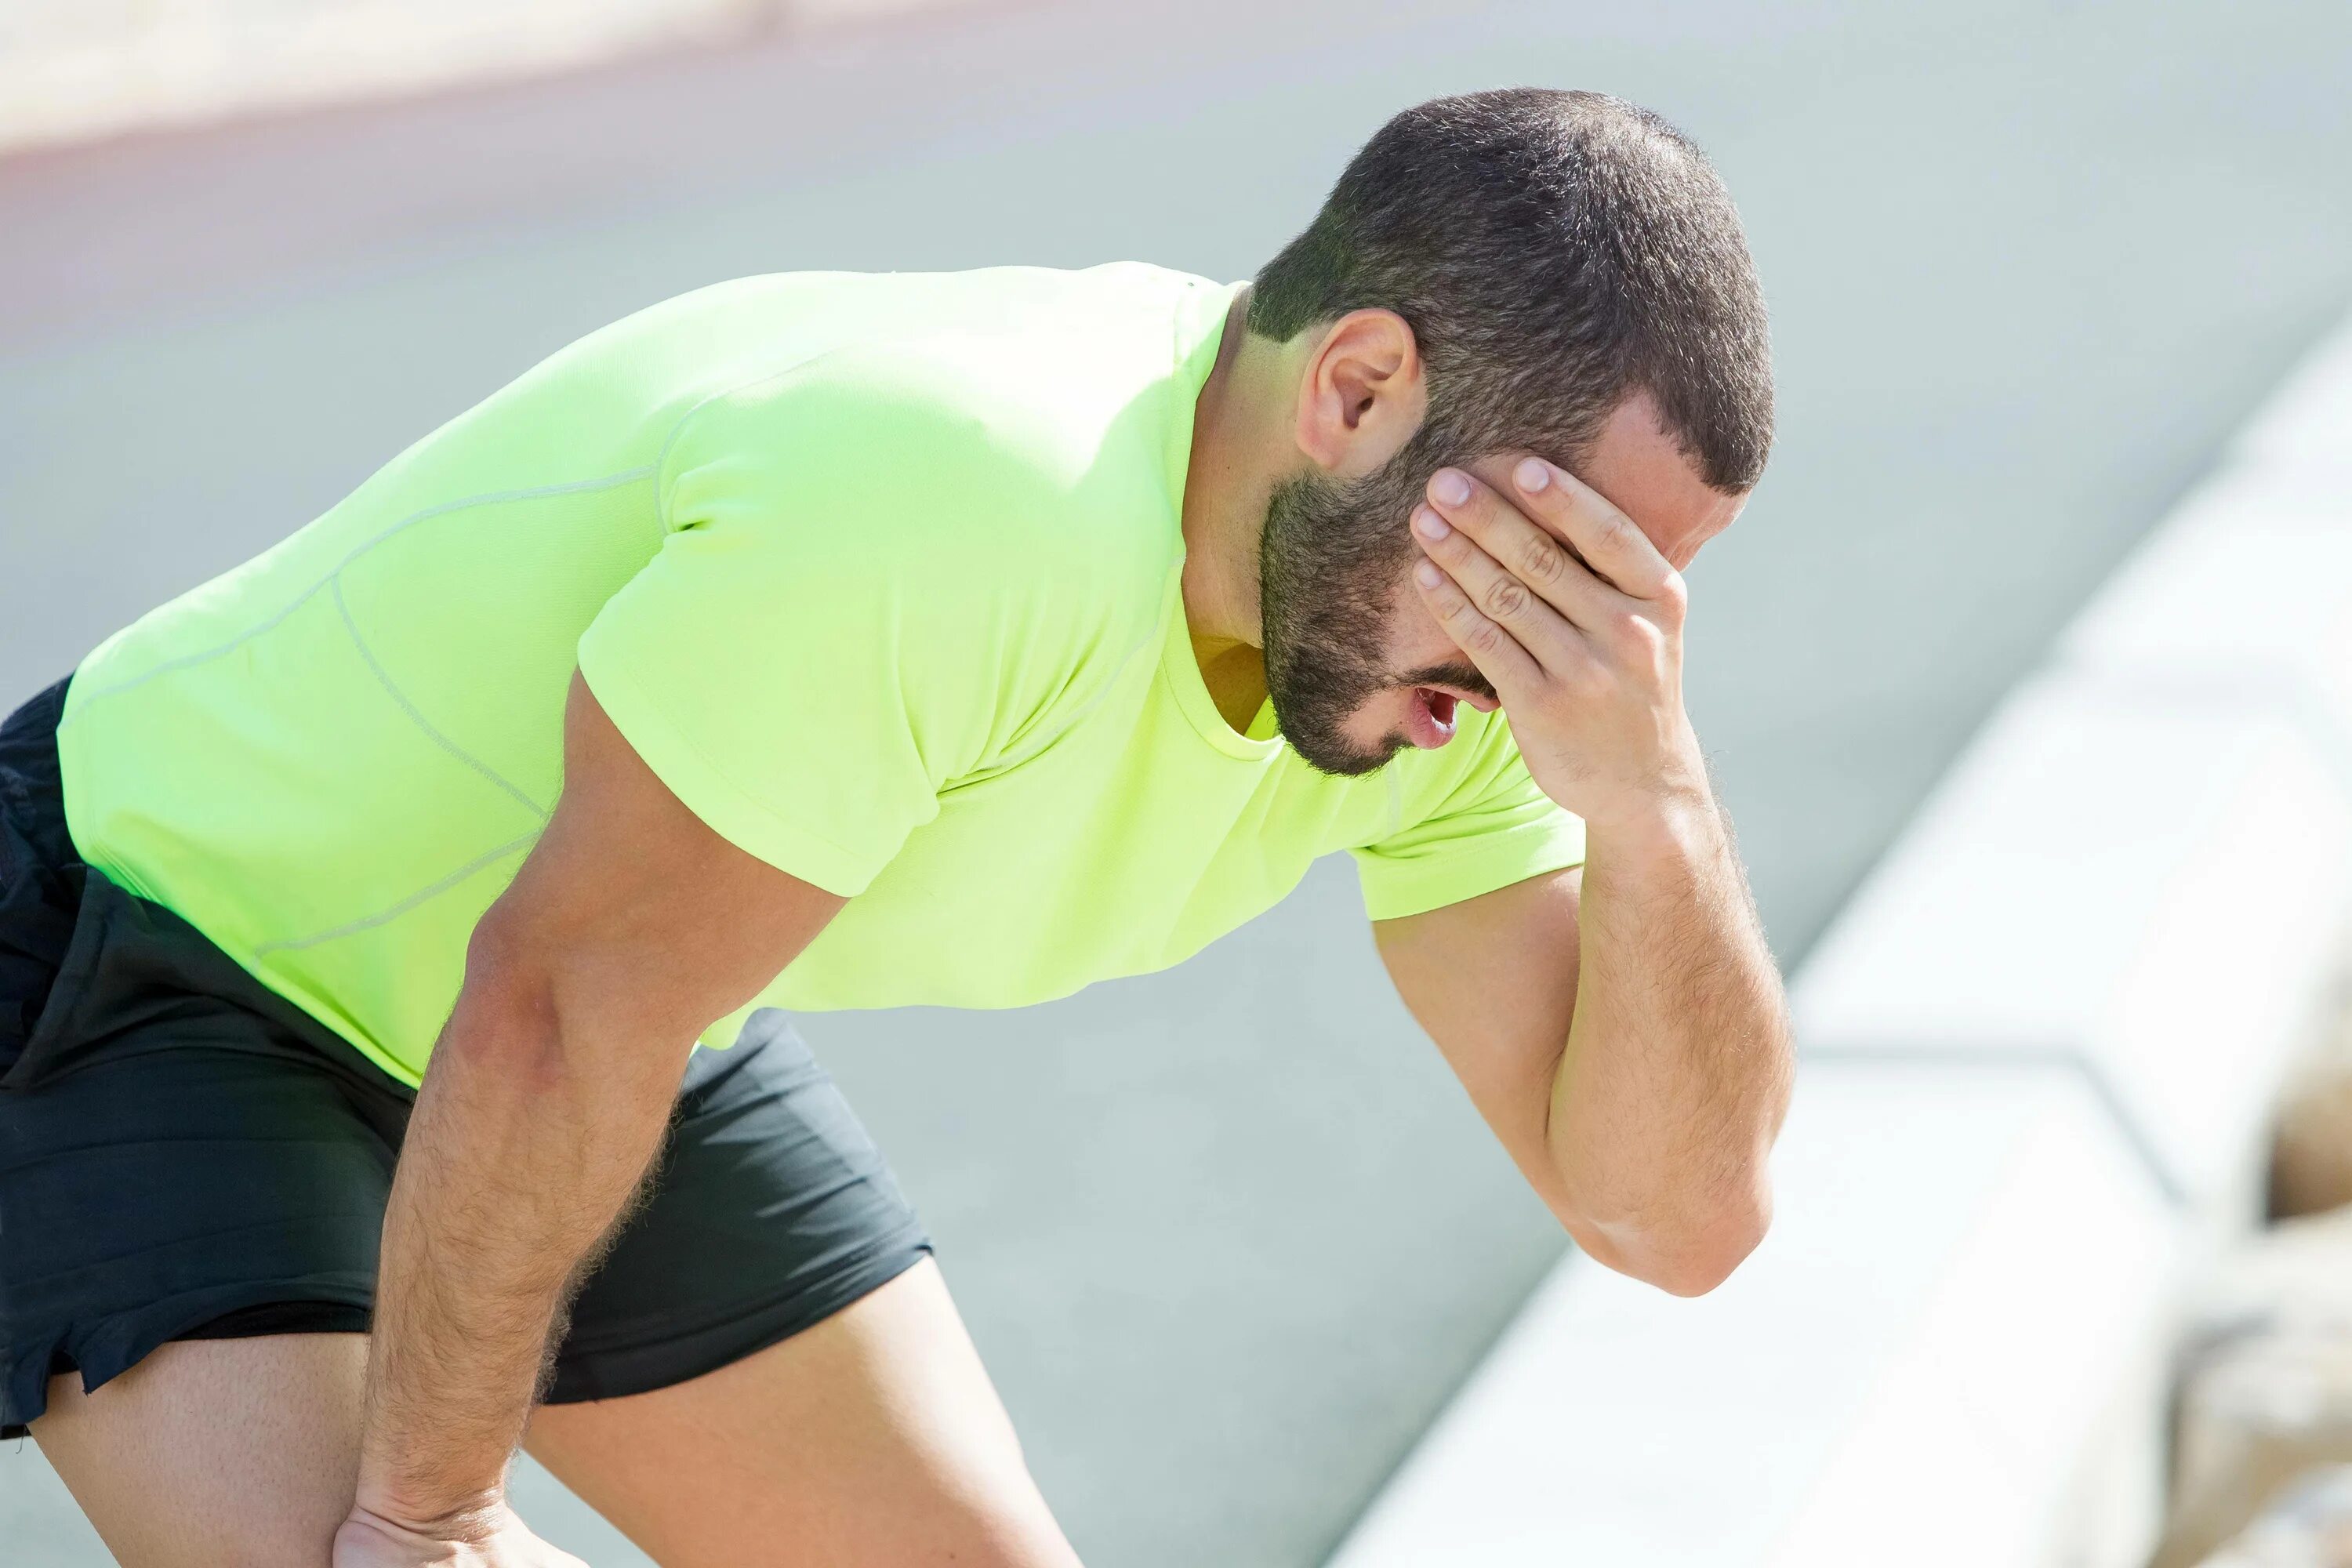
[1554, 253]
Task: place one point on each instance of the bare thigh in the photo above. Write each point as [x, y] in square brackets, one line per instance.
[873, 1438]
[215, 1451]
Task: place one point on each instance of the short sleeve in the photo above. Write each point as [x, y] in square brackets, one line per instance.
[818, 648]
[1491, 825]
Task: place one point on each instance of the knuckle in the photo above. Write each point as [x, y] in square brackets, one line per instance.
[1507, 597]
[1642, 638]
[1542, 563]
[1627, 627]
[1674, 593]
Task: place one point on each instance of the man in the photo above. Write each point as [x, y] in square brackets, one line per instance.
[825, 641]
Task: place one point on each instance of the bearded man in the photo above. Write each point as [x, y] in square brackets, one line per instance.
[824, 640]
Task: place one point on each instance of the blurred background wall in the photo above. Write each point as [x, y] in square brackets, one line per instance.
[76, 68]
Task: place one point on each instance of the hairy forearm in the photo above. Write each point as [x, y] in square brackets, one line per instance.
[1677, 1069]
[523, 1150]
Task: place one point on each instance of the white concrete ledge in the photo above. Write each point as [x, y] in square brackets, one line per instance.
[2242, 602]
[2152, 889]
[2041, 1048]
[2307, 423]
[1873, 1386]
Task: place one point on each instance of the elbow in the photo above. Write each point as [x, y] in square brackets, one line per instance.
[1690, 1253]
[1694, 1264]
[505, 1011]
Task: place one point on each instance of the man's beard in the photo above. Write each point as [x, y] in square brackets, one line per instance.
[1332, 557]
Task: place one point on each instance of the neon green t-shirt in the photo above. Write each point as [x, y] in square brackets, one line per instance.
[880, 573]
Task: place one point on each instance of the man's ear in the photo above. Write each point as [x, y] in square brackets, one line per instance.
[1362, 394]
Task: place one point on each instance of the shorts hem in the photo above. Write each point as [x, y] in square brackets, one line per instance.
[104, 1350]
[615, 1372]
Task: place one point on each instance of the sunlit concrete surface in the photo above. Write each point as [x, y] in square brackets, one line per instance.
[1229, 1236]
[1955, 1288]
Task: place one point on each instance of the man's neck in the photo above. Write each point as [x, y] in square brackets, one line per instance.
[1239, 452]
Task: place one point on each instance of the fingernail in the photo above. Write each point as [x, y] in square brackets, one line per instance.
[1533, 475]
[1450, 487]
[1428, 524]
[1428, 573]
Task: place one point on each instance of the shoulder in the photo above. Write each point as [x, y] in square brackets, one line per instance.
[957, 454]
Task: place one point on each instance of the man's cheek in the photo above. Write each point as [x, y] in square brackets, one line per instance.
[1416, 636]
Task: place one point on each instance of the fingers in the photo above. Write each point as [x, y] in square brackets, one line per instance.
[1501, 657]
[1512, 561]
[1610, 543]
[1486, 519]
[1501, 595]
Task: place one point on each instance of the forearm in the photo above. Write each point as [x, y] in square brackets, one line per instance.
[523, 1150]
[1677, 1069]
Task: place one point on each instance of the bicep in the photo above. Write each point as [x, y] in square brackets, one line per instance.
[634, 918]
[1492, 980]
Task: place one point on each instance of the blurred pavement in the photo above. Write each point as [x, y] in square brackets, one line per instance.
[1228, 1235]
[74, 69]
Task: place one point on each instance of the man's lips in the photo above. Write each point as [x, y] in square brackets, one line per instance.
[1429, 720]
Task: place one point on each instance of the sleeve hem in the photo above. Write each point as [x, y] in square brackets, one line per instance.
[723, 807]
[1394, 888]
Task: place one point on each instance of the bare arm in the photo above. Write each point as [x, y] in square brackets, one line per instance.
[630, 929]
[1621, 1027]
[1625, 1032]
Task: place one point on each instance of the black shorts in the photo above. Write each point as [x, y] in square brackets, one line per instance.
[185, 1154]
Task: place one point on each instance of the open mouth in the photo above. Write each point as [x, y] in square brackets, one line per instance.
[1430, 721]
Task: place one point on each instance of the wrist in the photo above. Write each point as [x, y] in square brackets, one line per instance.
[469, 1517]
[1678, 814]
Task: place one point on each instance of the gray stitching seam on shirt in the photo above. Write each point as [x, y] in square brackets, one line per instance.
[393, 912]
[438, 739]
[205, 655]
